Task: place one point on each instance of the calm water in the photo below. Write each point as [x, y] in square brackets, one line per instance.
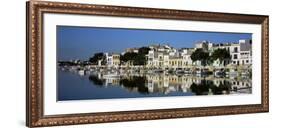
[72, 86]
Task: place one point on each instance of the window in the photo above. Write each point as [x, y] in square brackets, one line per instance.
[235, 49]
[235, 56]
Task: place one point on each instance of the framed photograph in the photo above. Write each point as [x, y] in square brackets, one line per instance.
[95, 63]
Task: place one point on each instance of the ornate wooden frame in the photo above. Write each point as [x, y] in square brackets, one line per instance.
[34, 91]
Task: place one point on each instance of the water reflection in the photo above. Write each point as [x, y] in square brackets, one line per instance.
[164, 84]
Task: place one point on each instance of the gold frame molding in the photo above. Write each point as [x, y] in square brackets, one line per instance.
[34, 71]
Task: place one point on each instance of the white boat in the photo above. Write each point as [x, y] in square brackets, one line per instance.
[81, 72]
[111, 76]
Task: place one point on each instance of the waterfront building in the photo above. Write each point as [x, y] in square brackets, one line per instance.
[112, 59]
[241, 53]
[245, 52]
[175, 62]
[159, 56]
[167, 57]
[234, 50]
[186, 57]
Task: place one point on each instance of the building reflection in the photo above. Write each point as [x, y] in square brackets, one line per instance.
[165, 84]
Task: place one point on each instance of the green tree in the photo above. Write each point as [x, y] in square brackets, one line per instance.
[221, 54]
[129, 56]
[98, 56]
[137, 58]
[141, 59]
[200, 55]
[144, 50]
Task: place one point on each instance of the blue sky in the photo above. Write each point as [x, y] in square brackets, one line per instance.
[82, 42]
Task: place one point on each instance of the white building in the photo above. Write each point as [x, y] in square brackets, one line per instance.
[158, 56]
[112, 59]
[168, 57]
[241, 52]
[245, 52]
[164, 56]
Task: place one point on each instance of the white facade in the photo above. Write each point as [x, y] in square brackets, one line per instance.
[167, 57]
[112, 60]
[240, 53]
